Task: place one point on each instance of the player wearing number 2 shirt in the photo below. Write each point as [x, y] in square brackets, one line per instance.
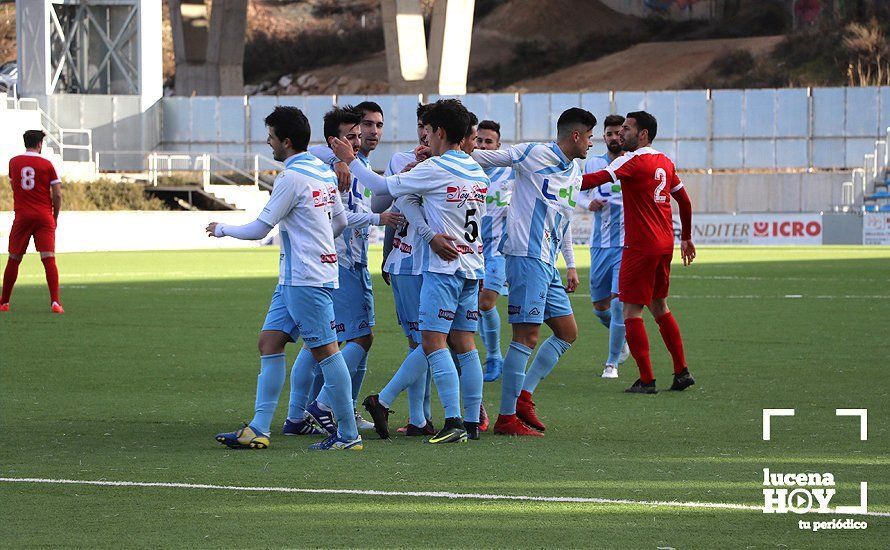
[648, 181]
[37, 199]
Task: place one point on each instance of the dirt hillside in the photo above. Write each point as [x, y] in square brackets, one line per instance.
[650, 66]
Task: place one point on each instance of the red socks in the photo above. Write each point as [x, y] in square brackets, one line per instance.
[52, 277]
[9, 276]
[638, 342]
[670, 333]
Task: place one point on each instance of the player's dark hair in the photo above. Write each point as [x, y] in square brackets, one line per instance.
[490, 125]
[645, 121]
[337, 116]
[450, 115]
[422, 109]
[33, 138]
[290, 123]
[613, 120]
[366, 107]
[574, 116]
[474, 120]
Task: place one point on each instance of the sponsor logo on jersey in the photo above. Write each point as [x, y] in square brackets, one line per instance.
[473, 315]
[461, 194]
[319, 199]
[329, 258]
[401, 245]
[446, 314]
[534, 311]
[363, 324]
[464, 249]
[514, 310]
[340, 327]
[413, 325]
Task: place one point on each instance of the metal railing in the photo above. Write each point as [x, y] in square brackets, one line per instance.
[55, 134]
[230, 169]
[872, 173]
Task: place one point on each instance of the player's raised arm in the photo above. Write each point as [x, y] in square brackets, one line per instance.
[280, 203]
[595, 179]
[493, 158]
[370, 179]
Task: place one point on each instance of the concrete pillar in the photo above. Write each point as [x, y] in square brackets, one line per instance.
[441, 68]
[208, 45]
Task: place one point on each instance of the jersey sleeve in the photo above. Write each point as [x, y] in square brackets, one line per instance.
[324, 154]
[418, 180]
[622, 168]
[492, 159]
[51, 173]
[282, 201]
[676, 182]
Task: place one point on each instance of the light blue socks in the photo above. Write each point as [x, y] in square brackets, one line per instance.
[548, 354]
[301, 378]
[616, 332]
[358, 378]
[446, 379]
[491, 332]
[268, 388]
[513, 376]
[605, 317]
[354, 355]
[471, 384]
[338, 390]
[413, 368]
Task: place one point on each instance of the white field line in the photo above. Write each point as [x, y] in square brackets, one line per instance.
[765, 297]
[419, 494]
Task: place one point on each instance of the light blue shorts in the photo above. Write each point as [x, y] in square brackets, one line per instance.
[536, 291]
[303, 312]
[406, 293]
[605, 263]
[495, 274]
[354, 304]
[448, 302]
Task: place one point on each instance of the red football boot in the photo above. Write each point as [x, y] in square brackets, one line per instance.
[525, 410]
[509, 424]
[483, 418]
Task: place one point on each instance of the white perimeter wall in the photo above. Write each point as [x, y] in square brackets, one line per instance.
[104, 231]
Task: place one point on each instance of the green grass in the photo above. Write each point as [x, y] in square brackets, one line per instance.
[157, 352]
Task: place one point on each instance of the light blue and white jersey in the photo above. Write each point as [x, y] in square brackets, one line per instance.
[453, 189]
[303, 201]
[607, 228]
[497, 203]
[402, 259]
[544, 189]
[352, 244]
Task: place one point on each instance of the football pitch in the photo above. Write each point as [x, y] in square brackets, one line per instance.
[157, 353]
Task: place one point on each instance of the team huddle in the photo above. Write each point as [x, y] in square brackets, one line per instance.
[466, 222]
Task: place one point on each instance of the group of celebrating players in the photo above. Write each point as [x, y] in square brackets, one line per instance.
[465, 222]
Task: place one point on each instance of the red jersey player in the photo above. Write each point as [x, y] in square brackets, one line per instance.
[37, 199]
[648, 181]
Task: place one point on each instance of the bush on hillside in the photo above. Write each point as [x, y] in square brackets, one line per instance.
[97, 195]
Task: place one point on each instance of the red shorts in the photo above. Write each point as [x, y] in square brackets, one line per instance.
[643, 277]
[42, 229]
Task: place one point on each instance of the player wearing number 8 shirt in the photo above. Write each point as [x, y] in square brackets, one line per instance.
[37, 198]
[648, 181]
